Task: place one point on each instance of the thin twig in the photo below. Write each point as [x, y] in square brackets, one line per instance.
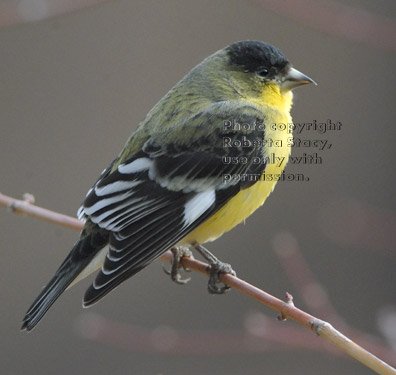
[286, 309]
[295, 266]
[262, 334]
[314, 296]
[25, 207]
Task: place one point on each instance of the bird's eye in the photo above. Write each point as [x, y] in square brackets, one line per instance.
[263, 72]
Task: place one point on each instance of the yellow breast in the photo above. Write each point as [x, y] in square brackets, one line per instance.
[276, 108]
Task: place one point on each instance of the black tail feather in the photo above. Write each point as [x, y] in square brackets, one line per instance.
[79, 257]
[46, 298]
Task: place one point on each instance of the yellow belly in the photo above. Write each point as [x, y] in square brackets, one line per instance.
[242, 205]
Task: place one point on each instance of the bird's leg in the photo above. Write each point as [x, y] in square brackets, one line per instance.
[216, 267]
[178, 253]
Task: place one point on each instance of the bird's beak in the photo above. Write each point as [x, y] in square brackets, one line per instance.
[294, 78]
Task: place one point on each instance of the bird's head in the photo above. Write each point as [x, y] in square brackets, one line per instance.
[255, 69]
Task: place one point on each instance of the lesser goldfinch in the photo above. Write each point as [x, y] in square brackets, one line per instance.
[195, 167]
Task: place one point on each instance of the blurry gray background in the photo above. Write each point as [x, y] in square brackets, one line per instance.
[73, 87]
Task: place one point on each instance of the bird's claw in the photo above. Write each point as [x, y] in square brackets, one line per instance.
[216, 267]
[214, 271]
[178, 253]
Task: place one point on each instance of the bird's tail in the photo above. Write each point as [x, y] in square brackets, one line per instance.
[46, 298]
[65, 275]
[85, 251]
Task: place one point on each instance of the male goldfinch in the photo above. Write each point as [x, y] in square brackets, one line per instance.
[195, 167]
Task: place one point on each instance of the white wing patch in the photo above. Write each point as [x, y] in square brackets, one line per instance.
[135, 166]
[106, 202]
[101, 218]
[197, 205]
[115, 187]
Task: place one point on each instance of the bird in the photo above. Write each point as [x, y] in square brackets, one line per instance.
[196, 166]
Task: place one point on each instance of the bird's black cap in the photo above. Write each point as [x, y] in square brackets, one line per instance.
[252, 55]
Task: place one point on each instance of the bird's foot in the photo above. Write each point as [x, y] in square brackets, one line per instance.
[216, 267]
[178, 253]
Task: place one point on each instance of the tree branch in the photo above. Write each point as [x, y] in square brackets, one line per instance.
[286, 308]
